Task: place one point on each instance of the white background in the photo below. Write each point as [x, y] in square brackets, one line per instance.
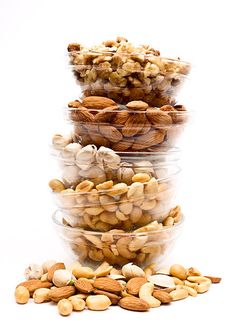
[34, 86]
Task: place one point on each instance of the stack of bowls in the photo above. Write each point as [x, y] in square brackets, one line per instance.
[119, 167]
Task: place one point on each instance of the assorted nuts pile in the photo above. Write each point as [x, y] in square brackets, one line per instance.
[123, 72]
[135, 126]
[75, 287]
[146, 244]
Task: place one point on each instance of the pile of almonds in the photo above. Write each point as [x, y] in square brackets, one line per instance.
[75, 287]
[124, 72]
[135, 126]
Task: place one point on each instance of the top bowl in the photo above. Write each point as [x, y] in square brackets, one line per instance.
[122, 72]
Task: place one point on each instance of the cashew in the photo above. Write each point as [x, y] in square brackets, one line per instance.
[137, 243]
[191, 291]
[122, 247]
[198, 279]
[130, 270]
[146, 292]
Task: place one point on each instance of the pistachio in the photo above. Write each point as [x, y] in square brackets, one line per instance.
[34, 271]
[62, 278]
[86, 156]
[130, 270]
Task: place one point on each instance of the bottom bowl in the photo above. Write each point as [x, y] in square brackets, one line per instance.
[148, 244]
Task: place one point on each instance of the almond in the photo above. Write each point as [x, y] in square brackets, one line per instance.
[82, 115]
[75, 104]
[214, 279]
[35, 284]
[105, 115]
[133, 285]
[99, 140]
[120, 117]
[56, 266]
[122, 145]
[153, 137]
[134, 304]
[97, 102]
[163, 296]
[107, 284]
[110, 133]
[84, 285]
[134, 124]
[113, 297]
[158, 117]
[60, 293]
[137, 105]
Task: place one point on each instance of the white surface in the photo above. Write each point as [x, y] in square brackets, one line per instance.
[35, 84]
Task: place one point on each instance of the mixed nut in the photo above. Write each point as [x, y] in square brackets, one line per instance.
[123, 72]
[148, 243]
[135, 126]
[76, 287]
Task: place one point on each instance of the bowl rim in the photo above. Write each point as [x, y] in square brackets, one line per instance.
[130, 111]
[102, 52]
[96, 233]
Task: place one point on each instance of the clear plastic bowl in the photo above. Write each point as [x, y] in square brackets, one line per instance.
[123, 129]
[124, 77]
[130, 206]
[117, 247]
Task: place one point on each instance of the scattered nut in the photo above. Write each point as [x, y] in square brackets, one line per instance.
[65, 307]
[22, 295]
[34, 271]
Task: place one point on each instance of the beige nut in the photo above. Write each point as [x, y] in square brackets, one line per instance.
[137, 243]
[191, 291]
[122, 247]
[179, 294]
[61, 278]
[145, 293]
[105, 185]
[148, 204]
[151, 188]
[64, 307]
[203, 287]
[77, 303]
[130, 270]
[126, 207]
[135, 191]
[121, 216]
[141, 177]
[103, 270]
[56, 185]
[108, 203]
[22, 295]
[41, 295]
[84, 186]
[47, 265]
[118, 189]
[136, 214]
[98, 302]
[83, 272]
[108, 217]
[94, 211]
[198, 279]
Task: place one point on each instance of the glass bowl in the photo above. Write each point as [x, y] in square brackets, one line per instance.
[124, 76]
[144, 246]
[124, 129]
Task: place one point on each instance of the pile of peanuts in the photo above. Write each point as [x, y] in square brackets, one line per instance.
[144, 245]
[119, 70]
[75, 288]
[132, 127]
